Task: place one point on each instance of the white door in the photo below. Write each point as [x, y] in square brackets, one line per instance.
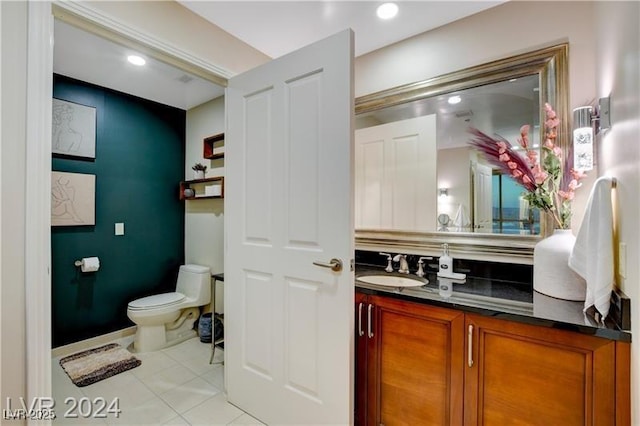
[396, 178]
[288, 204]
[482, 199]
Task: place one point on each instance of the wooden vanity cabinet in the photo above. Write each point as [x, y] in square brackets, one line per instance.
[523, 374]
[418, 364]
[409, 366]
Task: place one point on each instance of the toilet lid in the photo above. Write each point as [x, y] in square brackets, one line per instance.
[157, 300]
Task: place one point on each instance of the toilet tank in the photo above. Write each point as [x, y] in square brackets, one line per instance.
[194, 281]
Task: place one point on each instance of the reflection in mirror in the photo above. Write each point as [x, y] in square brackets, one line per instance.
[460, 191]
[477, 212]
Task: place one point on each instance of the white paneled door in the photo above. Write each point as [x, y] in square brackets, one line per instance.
[288, 204]
[396, 179]
[482, 198]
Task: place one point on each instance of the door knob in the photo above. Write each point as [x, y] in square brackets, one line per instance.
[334, 264]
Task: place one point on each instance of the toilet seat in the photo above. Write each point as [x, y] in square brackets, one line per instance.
[156, 301]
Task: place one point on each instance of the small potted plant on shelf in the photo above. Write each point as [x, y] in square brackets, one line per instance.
[199, 170]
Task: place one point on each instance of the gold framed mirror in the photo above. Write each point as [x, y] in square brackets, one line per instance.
[547, 68]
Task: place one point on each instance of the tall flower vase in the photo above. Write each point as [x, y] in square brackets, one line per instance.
[551, 273]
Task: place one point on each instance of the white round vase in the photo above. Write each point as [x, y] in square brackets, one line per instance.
[198, 174]
[551, 273]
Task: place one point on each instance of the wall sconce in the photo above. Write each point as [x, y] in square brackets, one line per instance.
[443, 193]
[587, 123]
[582, 138]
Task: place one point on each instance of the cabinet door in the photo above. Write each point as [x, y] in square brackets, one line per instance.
[519, 374]
[415, 364]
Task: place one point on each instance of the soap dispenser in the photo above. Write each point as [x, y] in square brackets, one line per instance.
[445, 264]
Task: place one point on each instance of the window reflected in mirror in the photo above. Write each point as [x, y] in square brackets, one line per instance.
[511, 212]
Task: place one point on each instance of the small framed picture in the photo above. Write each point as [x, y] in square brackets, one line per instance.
[73, 129]
[73, 199]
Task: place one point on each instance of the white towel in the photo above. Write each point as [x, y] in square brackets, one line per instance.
[592, 255]
[461, 220]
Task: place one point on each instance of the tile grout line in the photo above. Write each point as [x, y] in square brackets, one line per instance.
[231, 422]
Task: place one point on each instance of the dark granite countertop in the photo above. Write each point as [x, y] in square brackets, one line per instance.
[515, 301]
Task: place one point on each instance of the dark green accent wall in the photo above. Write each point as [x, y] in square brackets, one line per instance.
[139, 163]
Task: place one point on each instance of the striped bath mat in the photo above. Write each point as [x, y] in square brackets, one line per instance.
[93, 365]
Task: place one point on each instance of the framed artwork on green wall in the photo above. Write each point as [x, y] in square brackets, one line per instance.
[73, 199]
[73, 129]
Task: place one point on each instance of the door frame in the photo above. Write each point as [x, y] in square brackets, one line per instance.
[38, 200]
[38, 307]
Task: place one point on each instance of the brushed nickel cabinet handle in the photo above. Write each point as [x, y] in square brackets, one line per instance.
[369, 327]
[360, 331]
[334, 264]
[470, 346]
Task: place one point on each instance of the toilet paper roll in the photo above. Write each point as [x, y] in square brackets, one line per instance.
[90, 264]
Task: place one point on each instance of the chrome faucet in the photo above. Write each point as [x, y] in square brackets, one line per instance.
[404, 265]
[389, 267]
[420, 271]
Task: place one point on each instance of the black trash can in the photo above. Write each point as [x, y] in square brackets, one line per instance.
[204, 328]
[219, 329]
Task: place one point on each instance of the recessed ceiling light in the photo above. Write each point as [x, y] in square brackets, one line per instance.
[387, 10]
[136, 60]
[454, 100]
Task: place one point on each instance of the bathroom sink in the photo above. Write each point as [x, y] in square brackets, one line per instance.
[391, 280]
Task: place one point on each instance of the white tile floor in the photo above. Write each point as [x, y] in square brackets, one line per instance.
[174, 386]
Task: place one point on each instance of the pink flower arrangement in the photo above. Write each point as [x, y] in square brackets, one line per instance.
[551, 184]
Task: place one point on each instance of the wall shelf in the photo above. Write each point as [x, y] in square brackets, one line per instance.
[199, 188]
[213, 147]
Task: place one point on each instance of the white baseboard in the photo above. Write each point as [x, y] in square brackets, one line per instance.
[94, 341]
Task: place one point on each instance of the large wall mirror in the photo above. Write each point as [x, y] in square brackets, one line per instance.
[418, 181]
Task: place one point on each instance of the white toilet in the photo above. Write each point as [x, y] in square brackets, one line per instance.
[167, 319]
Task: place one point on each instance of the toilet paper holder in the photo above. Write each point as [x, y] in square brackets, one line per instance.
[88, 264]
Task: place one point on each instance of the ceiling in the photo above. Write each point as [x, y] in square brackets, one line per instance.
[273, 27]
[278, 27]
[93, 59]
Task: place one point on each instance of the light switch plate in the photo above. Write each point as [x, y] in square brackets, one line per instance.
[120, 228]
